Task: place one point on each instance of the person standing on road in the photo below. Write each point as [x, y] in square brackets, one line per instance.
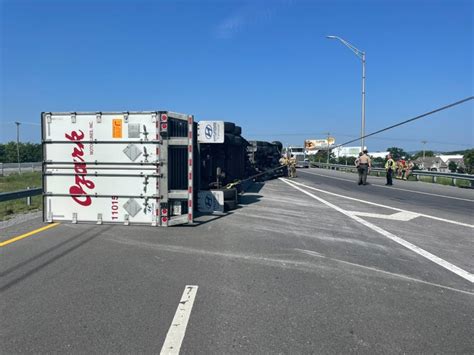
[364, 167]
[284, 162]
[390, 168]
[292, 164]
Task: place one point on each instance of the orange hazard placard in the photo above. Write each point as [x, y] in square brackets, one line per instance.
[117, 128]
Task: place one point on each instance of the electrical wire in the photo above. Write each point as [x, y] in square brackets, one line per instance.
[407, 121]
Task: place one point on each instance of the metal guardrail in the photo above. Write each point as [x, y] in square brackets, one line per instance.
[14, 195]
[13, 167]
[417, 173]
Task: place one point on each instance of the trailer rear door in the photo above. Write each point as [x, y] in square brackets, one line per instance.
[129, 167]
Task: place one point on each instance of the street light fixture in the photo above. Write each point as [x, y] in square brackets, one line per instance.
[361, 55]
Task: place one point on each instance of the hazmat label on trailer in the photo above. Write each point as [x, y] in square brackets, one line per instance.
[117, 128]
[211, 201]
[211, 132]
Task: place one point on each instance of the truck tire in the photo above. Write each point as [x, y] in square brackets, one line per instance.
[279, 145]
[238, 130]
[229, 127]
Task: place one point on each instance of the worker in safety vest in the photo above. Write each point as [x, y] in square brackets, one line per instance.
[390, 166]
[292, 166]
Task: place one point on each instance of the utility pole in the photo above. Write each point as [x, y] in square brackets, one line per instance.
[328, 134]
[424, 143]
[18, 145]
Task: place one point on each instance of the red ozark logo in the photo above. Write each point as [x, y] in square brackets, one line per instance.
[80, 169]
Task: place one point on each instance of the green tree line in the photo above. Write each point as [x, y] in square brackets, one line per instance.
[29, 152]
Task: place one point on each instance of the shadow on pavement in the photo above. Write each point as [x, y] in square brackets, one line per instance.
[51, 260]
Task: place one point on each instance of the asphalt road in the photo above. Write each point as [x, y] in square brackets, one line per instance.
[307, 265]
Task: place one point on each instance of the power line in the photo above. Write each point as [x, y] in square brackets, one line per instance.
[409, 120]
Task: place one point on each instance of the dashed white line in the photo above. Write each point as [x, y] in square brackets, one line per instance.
[392, 187]
[384, 206]
[175, 335]
[441, 262]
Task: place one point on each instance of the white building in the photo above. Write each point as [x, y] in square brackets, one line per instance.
[379, 154]
[447, 158]
[346, 152]
[354, 152]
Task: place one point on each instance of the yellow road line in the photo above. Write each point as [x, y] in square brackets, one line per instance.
[26, 235]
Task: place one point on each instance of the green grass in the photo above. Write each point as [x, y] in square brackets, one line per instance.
[16, 182]
[446, 181]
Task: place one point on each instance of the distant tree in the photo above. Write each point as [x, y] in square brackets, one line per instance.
[346, 160]
[322, 156]
[351, 160]
[29, 152]
[2, 153]
[428, 153]
[378, 162]
[455, 152]
[397, 153]
[469, 161]
[452, 166]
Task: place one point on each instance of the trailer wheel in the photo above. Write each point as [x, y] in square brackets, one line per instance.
[229, 127]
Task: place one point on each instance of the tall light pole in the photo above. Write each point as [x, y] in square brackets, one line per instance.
[424, 143]
[361, 55]
[18, 145]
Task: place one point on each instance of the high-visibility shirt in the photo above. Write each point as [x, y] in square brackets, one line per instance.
[390, 164]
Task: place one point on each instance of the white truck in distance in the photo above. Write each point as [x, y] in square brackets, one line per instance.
[300, 155]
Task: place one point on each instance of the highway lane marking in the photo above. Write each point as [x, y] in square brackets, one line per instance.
[399, 216]
[175, 335]
[374, 269]
[26, 235]
[384, 206]
[435, 259]
[392, 187]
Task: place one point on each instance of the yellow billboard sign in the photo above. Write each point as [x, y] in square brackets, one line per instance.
[311, 146]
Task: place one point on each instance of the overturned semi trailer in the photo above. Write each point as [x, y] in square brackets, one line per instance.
[153, 167]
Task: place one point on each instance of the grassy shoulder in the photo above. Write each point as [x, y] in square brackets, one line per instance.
[16, 182]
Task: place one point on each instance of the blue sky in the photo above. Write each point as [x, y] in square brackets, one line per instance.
[265, 65]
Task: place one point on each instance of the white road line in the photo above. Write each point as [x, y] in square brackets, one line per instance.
[399, 216]
[392, 187]
[441, 262]
[401, 276]
[175, 335]
[384, 206]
